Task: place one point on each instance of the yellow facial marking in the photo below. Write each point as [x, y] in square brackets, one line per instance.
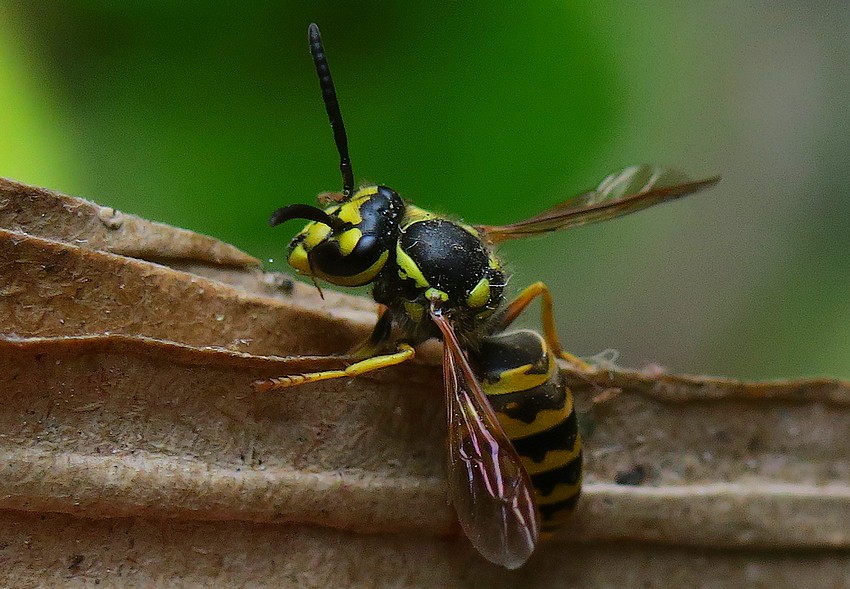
[479, 295]
[314, 234]
[348, 240]
[350, 212]
[298, 260]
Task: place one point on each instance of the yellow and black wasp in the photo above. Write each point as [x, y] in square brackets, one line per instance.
[514, 449]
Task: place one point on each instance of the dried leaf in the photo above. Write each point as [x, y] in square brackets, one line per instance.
[134, 448]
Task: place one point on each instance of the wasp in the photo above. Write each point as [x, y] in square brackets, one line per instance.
[515, 455]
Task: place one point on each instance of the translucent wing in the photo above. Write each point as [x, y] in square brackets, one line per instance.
[627, 191]
[489, 487]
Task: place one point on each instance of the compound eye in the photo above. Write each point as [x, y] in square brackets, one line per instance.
[349, 259]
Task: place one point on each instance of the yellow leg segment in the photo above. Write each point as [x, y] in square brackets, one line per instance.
[403, 354]
[519, 304]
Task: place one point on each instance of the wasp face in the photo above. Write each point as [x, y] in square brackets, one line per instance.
[347, 244]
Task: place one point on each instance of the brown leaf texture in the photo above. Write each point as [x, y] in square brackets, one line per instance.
[136, 452]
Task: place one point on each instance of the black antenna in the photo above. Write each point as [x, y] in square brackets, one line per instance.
[308, 212]
[317, 49]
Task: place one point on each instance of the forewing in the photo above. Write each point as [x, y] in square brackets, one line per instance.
[489, 487]
[623, 192]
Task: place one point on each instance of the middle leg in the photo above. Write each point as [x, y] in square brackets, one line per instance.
[550, 333]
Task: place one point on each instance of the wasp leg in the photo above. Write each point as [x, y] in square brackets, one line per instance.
[519, 304]
[378, 339]
[405, 352]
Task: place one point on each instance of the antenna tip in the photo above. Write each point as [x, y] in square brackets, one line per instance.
[313, 31]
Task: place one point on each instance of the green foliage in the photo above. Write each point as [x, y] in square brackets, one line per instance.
[208, 116]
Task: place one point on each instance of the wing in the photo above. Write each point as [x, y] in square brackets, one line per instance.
[489, 487]
[627, 191]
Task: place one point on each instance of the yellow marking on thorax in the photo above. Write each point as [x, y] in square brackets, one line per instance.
[435, 294]
[407, 268]
[365, 192]
[494, 262]
[414, 311]
[414, 214]
[479, 295]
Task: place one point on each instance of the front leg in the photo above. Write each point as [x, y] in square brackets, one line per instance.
[379, 338]
[404, 353]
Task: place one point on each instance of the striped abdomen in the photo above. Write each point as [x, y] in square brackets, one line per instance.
[535, 407]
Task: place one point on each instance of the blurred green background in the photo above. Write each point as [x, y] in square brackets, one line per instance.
[208, 116]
